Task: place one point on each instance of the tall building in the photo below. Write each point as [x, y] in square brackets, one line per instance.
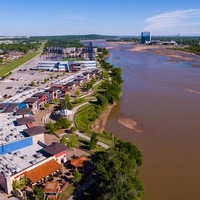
[145, 37]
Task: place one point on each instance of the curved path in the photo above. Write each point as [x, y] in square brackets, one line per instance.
[79, 133]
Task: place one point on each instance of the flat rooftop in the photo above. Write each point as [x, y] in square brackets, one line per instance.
[16, 161]
[9, 132]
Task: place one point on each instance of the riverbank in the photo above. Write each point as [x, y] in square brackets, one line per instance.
[162, 50]
[174, 55]
[100, 123]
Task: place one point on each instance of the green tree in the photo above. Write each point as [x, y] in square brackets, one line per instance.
[117, 75]
[46, 106]
[69, 105]
[77, 176]
[55, 100]
[77, 92]
[50, 127]
[62, 122]
[117, 172]
[16, 185]
[93, 141]
[102, 102]
[23, 181]
[85, 85]
[105, 74]
[32, 84]
[39, 192]
[67, 98]
[70, 144]
[93, 81]
[89, 86]
[63, 140]
[45, 80]
[112, 91]
[63, 105]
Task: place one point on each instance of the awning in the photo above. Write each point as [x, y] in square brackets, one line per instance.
[43, 170]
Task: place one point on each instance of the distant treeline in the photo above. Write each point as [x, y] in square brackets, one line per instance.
[20, 47]
[125, 39]
[192, 49]
[63, 43]
[180, 40]
[72, 37]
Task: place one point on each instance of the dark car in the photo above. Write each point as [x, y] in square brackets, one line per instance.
[5, 96]
[9, 87]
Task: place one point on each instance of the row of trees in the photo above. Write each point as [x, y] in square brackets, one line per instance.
[62, 43]
[23, 47]
[71, 37]
[109, 93]
[117, 175]
[193, 49]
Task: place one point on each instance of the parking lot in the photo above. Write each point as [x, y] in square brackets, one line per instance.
[19, 82]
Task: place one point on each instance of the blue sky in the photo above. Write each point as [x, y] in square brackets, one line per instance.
[106, 17]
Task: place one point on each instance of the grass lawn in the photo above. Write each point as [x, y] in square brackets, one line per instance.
[81, 143]
[101, 138]
[67, 192]
[83, 107]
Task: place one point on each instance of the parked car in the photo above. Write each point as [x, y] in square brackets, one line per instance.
[9, 87]
[5, 96]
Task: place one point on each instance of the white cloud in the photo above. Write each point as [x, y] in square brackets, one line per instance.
[179, 18]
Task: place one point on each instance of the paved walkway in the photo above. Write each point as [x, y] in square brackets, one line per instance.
[81, 134]
[88, 138]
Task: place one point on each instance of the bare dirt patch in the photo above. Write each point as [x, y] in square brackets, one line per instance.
[100, 123]
[174, 55]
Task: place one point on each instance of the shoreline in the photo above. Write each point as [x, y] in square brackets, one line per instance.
[173, 55]
[160, 50]
[100, 123]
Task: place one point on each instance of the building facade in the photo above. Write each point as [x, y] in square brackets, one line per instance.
[145, 37]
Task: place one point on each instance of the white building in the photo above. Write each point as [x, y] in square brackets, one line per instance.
[66, 65]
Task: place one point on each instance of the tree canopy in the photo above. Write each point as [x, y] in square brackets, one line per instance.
[117, 173]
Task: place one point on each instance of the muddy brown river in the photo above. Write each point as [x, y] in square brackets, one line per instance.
[164, 99]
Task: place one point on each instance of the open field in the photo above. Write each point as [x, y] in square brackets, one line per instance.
[4, 69]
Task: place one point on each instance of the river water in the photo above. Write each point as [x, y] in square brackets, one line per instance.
[164, 98]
